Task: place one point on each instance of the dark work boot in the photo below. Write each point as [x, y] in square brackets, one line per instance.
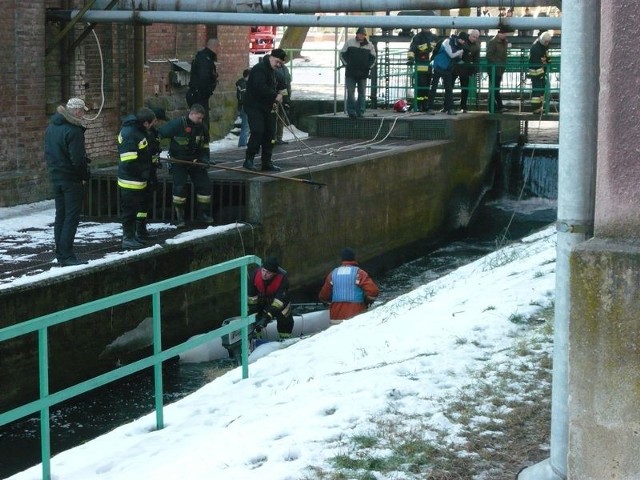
[267, 164]
[142, 234]
[202, 213]
[248, 163]
[129, 240]
[180, 221]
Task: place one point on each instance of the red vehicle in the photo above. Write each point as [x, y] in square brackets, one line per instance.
[262, 39]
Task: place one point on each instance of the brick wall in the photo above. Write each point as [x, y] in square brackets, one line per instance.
[34, 84]
[22, 101]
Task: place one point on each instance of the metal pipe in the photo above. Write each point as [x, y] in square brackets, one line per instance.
[318, 6]
[138, 66]
[390, 22]
[576, 203]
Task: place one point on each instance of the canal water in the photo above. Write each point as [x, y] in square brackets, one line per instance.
[497, 223]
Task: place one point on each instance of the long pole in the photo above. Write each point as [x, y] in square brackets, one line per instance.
[248, 172]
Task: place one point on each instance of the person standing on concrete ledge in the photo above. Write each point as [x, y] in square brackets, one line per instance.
[188, 144]
[538, 59]
[348, 289]
[268, 292]
[262, 99]
[450, 51]
[134, 172]
[68, 166]
[359, 56]
[497, 49]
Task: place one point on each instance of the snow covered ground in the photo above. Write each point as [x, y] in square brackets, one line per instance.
[406, 358]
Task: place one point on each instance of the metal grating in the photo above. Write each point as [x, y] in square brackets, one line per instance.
[228, 199]
[378, 127]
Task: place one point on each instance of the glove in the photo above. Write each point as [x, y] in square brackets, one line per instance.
[261, 322]
[410, 62]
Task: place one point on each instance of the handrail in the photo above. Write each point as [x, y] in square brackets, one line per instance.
[395, 80]
[41, 325]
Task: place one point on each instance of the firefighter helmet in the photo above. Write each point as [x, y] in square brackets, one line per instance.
[401, 106]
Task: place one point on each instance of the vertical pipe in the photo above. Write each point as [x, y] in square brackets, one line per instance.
[138, 53]
[576, 193]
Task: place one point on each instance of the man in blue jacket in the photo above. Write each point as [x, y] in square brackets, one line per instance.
[68, 167]
[450, 51]
[359, 56]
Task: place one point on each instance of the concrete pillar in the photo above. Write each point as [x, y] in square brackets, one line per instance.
[604, 338]
[604, 362]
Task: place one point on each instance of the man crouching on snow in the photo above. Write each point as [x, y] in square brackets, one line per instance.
[348, 288]
[268, 293]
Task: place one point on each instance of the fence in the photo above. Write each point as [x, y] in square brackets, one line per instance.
[321, 75]
[41, 325]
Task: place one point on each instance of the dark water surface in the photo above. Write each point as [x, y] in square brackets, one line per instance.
[75, 422]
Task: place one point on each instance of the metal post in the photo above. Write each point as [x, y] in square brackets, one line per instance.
[157, 367]
[244, 311]
[45, 420]
[138, 53]
[576, 193]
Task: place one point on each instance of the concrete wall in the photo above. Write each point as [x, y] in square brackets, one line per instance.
[375, 203]
[604, 360]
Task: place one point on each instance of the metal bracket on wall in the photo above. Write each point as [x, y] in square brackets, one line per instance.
[566, 226]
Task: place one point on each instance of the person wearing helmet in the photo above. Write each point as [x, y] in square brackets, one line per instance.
[419, 57]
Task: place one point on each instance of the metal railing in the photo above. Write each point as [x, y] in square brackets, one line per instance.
[393, 79]
[40, 325]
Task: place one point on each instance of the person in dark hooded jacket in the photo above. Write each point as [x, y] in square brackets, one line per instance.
[264, 94]
[68, 166]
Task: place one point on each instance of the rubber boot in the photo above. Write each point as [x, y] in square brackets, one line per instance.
[142, 234]
[180, 221]
[202, 213]
[267, 164]
[129, 241]
[248, 163]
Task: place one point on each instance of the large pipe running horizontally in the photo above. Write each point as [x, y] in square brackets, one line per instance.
[317, 6]
[368, 21]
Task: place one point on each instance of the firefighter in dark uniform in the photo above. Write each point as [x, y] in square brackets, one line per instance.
[268, 293]
[538, 59]
[188, 144]
[142, 234]
[133, 173]
[262, 99]
[419, 56]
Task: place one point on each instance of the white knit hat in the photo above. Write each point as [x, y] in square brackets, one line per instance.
[76, 104]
